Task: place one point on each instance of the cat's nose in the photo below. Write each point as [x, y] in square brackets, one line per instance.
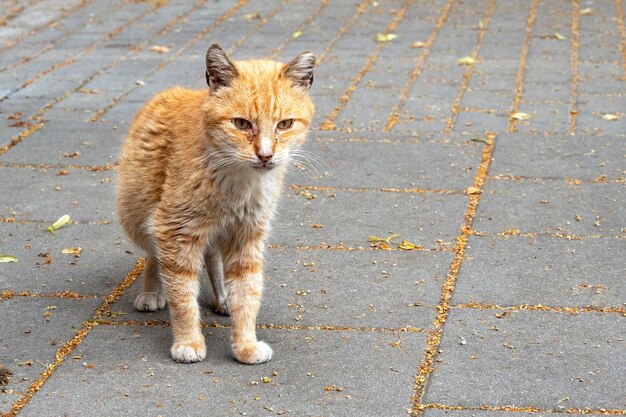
[264, 156]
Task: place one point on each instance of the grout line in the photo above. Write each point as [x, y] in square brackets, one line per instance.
[44, 109]
[69, 33]
[541, 307]
[516, 232]
[14, 42]
[93, 168]
[622, 32]
[521, 71]
[8, 294]
[573, 109]
[70, 346]
[456, 104]
[600, 179]
[526, 409]
[393, 116]
[341, 247]
[100, 112]
[329, 124]
[370, 190]
[434, 340]
[266, 326]
[361, 8]
[107, 37]
[302, 25]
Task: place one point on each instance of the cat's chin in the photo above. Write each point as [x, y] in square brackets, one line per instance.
[263, 167]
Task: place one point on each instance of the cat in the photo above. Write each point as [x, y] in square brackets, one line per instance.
[200, 174]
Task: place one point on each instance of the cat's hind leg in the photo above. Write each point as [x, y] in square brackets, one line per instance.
[215, 269]
[152, 296]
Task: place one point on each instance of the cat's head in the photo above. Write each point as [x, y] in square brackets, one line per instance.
[258, 111]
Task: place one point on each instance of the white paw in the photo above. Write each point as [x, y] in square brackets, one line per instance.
[260, 352]
[188, 352]
[221, 307]
[150, 301]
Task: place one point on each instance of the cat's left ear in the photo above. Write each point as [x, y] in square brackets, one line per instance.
[300, 70]
[220, 71]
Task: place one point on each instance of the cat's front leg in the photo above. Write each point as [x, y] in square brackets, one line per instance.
[180, 260]
[244, 283]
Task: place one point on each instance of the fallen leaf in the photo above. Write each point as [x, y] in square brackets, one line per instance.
[89, 91]
[468, 60]
[26, 363]
[586, 11]
[520, 116]
[385, 240]
[385, 37]
[5, 375]
[72, 251]
[610, 117]
[418, 44]
[297, 34]
[306, 194]
[472, 191]
[317, 226]
[266, 379]
[251, 16]
[5, 258]
[20, 123]
[406, 245]
[160, 49]
[63, 220]
[483, 140]
[74, 154]
[63, 172]
[559, 37]
[395, 343]
[15, 116]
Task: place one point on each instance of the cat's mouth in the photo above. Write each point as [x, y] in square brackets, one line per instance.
[264, 166]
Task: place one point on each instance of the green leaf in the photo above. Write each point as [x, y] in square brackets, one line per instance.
[63, 220]
[5, 258]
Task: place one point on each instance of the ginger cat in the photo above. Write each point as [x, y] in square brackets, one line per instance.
[199, 177]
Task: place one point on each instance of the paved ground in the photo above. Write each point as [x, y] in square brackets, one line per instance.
[507, 172]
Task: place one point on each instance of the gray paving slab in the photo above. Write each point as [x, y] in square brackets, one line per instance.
[131, 372]
[325, 288]
[551, 206]
[32, 330]
[578, 157]
[350, 217]
[69, 142]
[542, 359]
[389, 161]
[104, 261]
[542, 270]
[30, 194]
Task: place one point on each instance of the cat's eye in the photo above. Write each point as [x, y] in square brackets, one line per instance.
[285, 124]
[242, 124]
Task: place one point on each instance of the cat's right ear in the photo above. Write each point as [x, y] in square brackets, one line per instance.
[220, 71]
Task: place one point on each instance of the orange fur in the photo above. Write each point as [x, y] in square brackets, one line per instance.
[197, 188]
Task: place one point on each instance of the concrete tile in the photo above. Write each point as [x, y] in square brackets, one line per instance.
[29, 194]
[532, 359]
[132, 373]
[103, 263]
[551, 206]
[581, 157]
[31, 332]
[542, 270]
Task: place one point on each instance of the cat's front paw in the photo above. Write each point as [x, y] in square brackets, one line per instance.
[188, 352]
[150, 301]
[253, 354]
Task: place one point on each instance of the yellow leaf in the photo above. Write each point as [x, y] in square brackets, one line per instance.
[610, 117]
[385, 37]
[160, 49]
[72, 251]
[418, 44]
[559, 37]
[472, 191]
[385, 240]
[468, 60]
[586, 11]
[7, 258]
[250, 16]
[63, 220]
[520, 116]
[297, 34]
[406, 245]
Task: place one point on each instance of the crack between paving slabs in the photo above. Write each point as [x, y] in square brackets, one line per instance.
[329, 124]
[622, 32]
[526, 409]
[469, 71]
[393, 116]
[434, 340]
[540, 307]
[573, 110]
[81, 334]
